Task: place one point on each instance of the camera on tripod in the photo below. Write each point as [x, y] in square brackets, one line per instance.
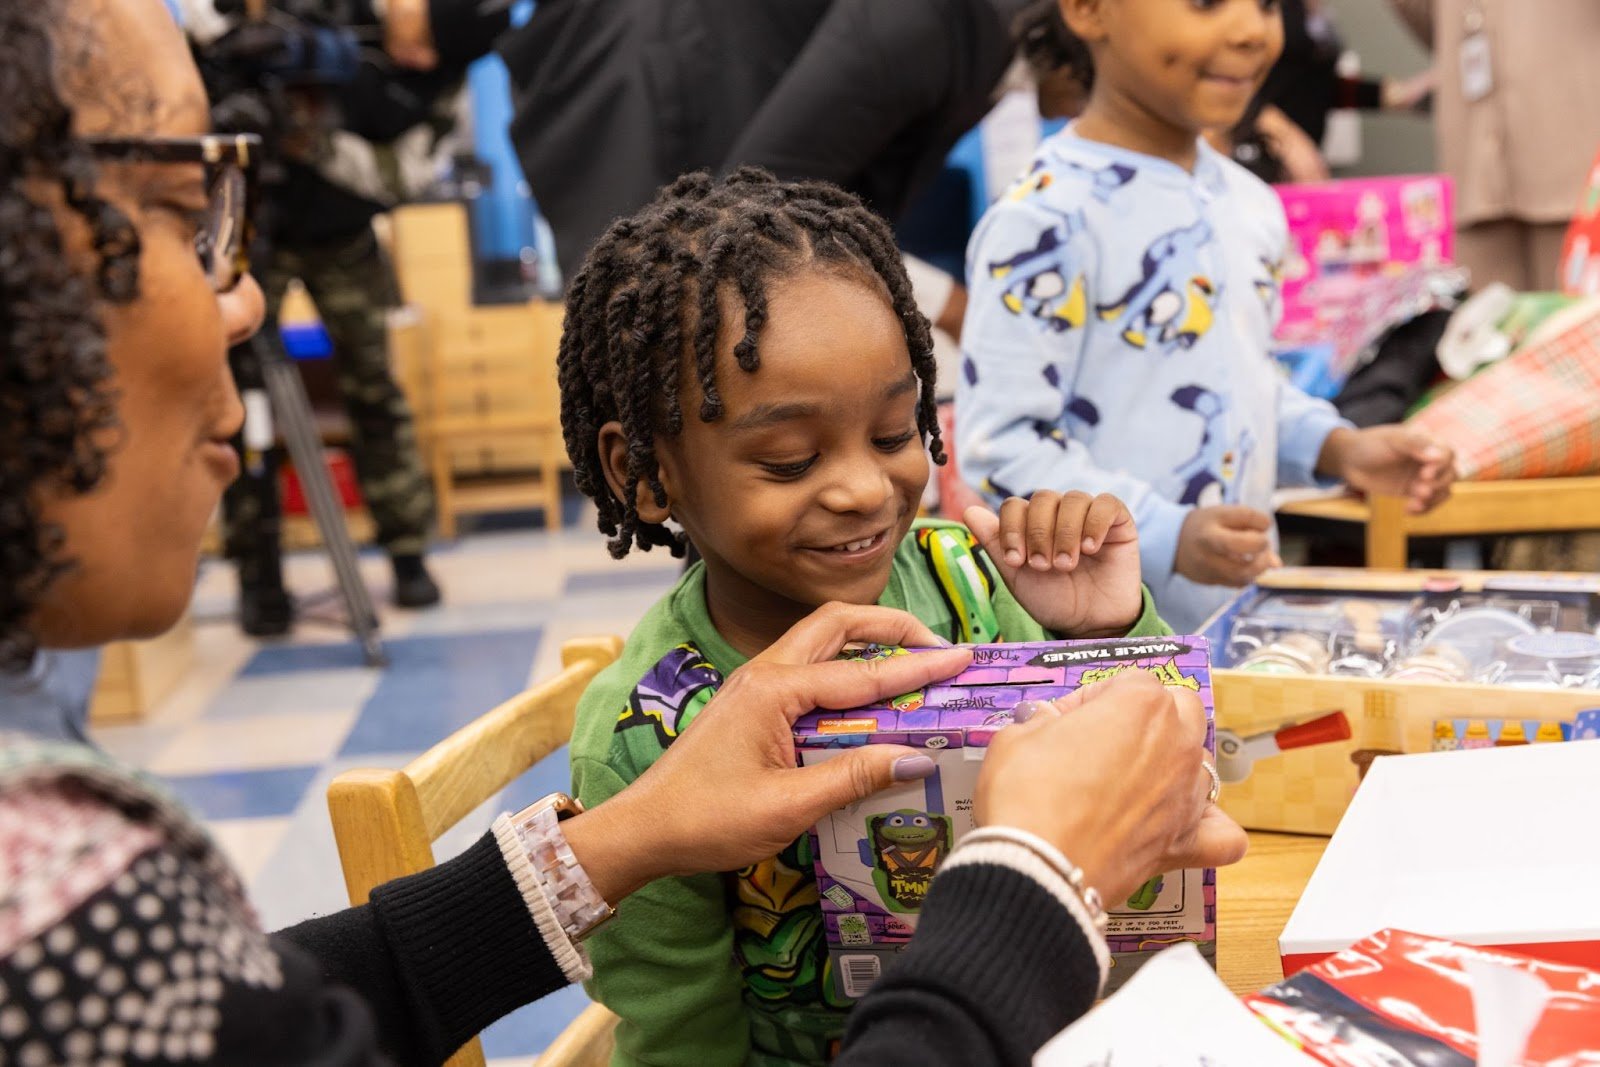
[273, 66]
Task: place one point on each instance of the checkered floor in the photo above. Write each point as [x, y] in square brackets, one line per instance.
[254, 734]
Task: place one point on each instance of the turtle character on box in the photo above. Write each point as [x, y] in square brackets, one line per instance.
[907, 848]
[1144, 898]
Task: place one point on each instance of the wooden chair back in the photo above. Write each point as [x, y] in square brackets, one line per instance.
[385, 821]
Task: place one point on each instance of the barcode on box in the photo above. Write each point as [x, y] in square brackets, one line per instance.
[860, 973]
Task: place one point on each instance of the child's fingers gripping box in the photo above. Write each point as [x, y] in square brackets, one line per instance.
[875, 860]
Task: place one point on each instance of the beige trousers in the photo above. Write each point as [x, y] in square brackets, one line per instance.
[1524, 255]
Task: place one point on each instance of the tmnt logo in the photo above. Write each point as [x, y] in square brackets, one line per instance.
[907, 848]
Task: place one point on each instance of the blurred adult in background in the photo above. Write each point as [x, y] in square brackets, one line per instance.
[1517, 122]
[1281, 137]
[614, 98]
[349, 133]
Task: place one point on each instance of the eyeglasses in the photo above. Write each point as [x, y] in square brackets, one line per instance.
[223, 242]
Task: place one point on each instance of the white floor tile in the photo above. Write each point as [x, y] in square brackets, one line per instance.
[295, 692]
[293, 739]
[135, 744]
[249, 843]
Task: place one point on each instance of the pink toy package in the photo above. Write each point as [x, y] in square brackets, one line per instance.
[1356, 246]
[874, 860]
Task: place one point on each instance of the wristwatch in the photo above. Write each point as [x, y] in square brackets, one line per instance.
[578, 907]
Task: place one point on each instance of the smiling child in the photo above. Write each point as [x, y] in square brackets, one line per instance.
[743, 360]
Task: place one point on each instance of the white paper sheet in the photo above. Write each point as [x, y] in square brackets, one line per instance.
[1174, 1013]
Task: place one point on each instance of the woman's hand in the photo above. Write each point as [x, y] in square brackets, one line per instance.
[408, 34]
[1409, 94]
[1111, 775]
[1071, 560]
[727, 793]
[1300, 156]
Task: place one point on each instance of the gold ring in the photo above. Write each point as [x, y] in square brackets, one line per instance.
[1216, 781]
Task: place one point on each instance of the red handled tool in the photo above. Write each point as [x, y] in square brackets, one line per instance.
[1236, 755]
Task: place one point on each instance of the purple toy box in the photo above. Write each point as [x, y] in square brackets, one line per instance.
[874, 860]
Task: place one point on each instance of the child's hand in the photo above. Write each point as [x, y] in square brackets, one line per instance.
[1391, 461]
[1225, 545]
[1071, 561]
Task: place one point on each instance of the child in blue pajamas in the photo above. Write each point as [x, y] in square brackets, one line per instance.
[1123, 295]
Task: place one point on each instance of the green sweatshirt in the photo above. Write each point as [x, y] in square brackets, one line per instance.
[724, 970]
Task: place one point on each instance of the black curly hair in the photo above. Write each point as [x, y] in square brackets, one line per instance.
[650, 292]
[1049, 46]
[57, 407]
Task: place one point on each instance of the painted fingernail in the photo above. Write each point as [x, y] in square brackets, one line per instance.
[1064, 560]
[913, 768]
[1026, 710]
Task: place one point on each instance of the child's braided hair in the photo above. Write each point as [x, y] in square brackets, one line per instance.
[649, 291]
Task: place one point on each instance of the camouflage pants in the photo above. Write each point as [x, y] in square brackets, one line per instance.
[352, 284]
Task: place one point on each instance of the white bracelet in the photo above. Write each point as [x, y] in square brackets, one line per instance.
[578, 906]
[1053, 857]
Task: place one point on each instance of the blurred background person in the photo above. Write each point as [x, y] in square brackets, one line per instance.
[615, 98]
[348, 134]
[1517, 123]
[1282, 135]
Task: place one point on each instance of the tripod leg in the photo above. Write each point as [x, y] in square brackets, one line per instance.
[251, 515]
[305, 449]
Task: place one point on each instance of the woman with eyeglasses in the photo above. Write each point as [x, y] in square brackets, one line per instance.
[125, 937]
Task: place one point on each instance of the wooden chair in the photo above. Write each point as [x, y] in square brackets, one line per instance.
[586, 1043]
[385, 821]
[482, 379]
[493, 427]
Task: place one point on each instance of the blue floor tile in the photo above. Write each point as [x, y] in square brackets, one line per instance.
[436, 684]
[284, 659]
[528, 1031]
[243, 794]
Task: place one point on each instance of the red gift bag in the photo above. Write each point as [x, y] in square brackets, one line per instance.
[1580, 255]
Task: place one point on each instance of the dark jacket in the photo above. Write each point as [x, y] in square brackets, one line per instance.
[121, 918]
[615, 98]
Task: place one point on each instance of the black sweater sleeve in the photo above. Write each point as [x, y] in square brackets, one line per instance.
[436, 956]
[997, 968]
